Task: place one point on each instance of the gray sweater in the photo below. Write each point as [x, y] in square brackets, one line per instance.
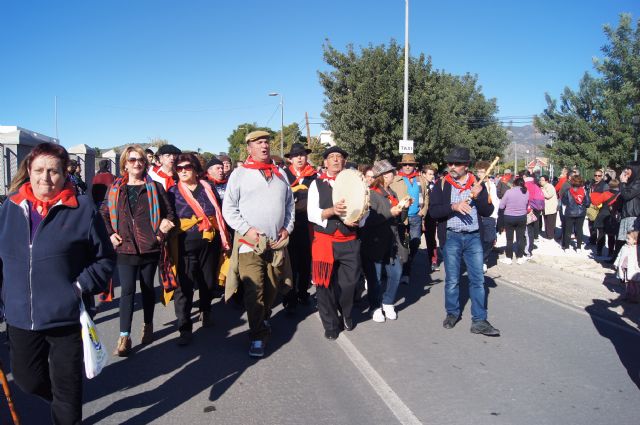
[251, 201]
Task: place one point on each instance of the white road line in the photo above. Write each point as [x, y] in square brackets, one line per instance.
[567, 306]
[400, 410]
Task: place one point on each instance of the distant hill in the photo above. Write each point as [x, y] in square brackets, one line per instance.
[526, 138]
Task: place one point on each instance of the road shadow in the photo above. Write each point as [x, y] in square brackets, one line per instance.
[624, 337]
[215, 360]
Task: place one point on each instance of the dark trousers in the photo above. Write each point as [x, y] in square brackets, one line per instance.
[48, 364]
[488, 236]
[430, 227]
[600, 241]
[593, 233]
[338, 297]
[550, 225]
[259, 292]
[197, 264]
[517, 225]
[300, 256]
[572, 224]
[414, 230]
[128, 275]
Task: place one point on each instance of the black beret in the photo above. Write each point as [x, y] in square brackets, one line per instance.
[168, 149]
[213, 161]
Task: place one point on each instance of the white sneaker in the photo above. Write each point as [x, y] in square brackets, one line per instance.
[389, 311]
[484, 268]
[521, 260]
[378, 316]
[506, 260]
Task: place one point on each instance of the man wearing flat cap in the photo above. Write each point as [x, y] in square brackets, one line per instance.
[300, 174]
[163, 173]
[216, 175]
[409, 182]
[335, 251]
[461, 202]
[259, 206]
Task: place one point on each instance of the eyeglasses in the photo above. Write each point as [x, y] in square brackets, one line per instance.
[134, 160]
[597, 175]
[187, 167]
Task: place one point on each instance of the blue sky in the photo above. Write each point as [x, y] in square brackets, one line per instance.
[191, 71]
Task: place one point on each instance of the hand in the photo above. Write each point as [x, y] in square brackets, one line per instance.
[475, 191]
[462, 207]
[340, 207]
[397, 210]
[253, 234]
[166, 225]
[116, 240]
[624, 176]
[351, 223]
[282, 235]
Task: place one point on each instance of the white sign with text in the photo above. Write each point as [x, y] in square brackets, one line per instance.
[406, 146]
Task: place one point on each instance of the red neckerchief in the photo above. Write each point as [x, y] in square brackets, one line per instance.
[409, 176]
[216, 181]
[394, 201]
[325, 177]
[67, 196]
[506, 178]
[267, 168]
[307, 171]
[470, 181]
[168, 180]
[578, 194]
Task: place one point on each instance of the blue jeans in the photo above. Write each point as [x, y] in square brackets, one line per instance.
[467, 247]
[373, 272]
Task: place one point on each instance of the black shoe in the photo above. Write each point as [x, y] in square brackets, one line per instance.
[331, 335]
[484, 327]
[348, 324]
[206, 319]
[185, 338]
[450, 321]
[303, 298]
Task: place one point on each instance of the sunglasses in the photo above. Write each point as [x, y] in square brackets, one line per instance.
[598, 175]
[457, 164]
[187, 167]
[134, 160]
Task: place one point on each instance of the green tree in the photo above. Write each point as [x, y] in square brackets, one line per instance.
[364, 107]
[593, 127]
[237, 145]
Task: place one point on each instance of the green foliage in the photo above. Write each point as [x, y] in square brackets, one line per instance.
[237, 145]
[364, 107]
[593, 126]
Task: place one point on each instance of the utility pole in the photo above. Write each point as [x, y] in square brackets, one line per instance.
[405, 119]
[306, 118]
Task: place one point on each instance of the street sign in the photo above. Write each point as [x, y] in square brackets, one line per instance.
[406, 146]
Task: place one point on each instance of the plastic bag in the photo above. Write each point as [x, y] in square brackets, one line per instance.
[95, 355]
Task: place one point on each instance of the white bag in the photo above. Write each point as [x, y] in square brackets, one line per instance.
[95, 355]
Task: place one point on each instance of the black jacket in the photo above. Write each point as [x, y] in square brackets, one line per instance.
[440, 204]
[572, 208]
[379, 237]
[630, 195]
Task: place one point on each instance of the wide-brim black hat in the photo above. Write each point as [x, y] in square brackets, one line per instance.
[297, 149]
[459, 154]
[335, 149]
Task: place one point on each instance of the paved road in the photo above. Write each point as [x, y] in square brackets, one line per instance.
[553, 364]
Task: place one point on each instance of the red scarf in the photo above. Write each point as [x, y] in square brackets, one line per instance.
[325, 177]
[205, 224]
[470, 181]
[268, 169]
[409, 176]
[394, 201]
[322, 255]
[307, 171]
[67, 196]
[506, 178]
[216, 181]
[578, 194]
[169, 182]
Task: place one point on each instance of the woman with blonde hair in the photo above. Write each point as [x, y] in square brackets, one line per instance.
[138, 216]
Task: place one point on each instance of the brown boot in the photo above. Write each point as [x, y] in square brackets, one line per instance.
[147, 333]
[123, 348]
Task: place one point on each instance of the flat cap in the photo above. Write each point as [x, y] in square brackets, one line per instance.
[213, 161]
[255, 135]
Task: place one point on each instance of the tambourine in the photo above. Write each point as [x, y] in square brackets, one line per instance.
[351, 186]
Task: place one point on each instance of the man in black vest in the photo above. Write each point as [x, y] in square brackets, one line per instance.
[300, 174]
[335, 251]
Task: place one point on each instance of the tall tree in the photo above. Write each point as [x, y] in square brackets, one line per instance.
[364, 107]
[594, 126]
[237, 145]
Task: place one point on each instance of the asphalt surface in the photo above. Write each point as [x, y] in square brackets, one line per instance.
[554, 364]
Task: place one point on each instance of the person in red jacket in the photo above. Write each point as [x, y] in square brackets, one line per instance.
[101, 182]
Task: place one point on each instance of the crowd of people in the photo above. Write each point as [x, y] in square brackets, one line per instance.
[266, 227]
